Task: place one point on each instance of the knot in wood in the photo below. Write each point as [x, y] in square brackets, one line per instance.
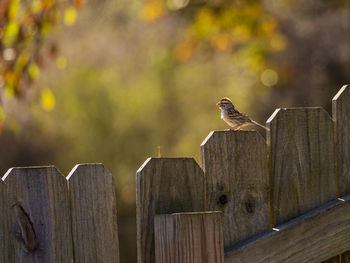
[250, 205]
[222, 200]
[26, 238]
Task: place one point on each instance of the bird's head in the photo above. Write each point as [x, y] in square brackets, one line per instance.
[225, 103]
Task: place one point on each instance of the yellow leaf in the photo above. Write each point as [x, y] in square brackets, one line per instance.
[2, 114]
[46, 4]
[9, 90]
[36, 6]
[13, 10]
[48, 100]
[33, 71]
[205, 23]
[221, 41]
[70, 15]
[268, 27]
[10, 32]
[21, 62]
[45, 28]
[241, 33]
[278, 43]
[184, 51]
[151, 11]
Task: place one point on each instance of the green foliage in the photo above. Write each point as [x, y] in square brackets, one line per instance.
[24, 27]
[223, 26]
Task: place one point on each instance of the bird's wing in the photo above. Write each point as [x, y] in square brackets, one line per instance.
[237, 116]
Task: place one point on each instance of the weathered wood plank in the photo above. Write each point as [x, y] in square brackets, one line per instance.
[4, 227]
[301, 142]
[37, 216]
[165, 185]
[311, 238]
[341, 116]
[189, 238]
[94, 214]
[236, 171]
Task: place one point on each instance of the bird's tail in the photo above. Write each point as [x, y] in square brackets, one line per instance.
[260, 125]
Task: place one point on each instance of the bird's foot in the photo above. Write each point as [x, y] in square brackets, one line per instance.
[232, 129]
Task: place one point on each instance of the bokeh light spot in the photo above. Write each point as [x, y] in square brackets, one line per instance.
[269, 77]
[9, 54]
[177, 4]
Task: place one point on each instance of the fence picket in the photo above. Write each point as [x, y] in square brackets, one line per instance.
[189, 238]
[165, 185]
[235, 165]
[94, 214]
[301, 142]
[36, 212]
[341, 117]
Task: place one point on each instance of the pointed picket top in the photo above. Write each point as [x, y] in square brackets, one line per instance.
[93, 201]
[301, 146]
[37, 215]
[341, 116]
[236, 171]
[163, 186]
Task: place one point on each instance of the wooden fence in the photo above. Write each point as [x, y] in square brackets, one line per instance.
[286, 199]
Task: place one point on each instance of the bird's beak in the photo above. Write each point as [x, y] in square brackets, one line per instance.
[218, 104]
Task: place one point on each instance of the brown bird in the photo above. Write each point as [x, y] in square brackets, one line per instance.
[233, 117]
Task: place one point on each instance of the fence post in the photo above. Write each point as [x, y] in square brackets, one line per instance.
[189, 238]
[237, 180]
[35, 219]
[341, 117]
[165, 185]
[94, 214]
[301, 142]
[302, 159]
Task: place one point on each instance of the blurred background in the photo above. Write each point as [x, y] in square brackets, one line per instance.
[110, 81]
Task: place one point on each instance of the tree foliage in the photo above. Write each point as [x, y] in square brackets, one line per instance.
[25, 26]
[244, 28]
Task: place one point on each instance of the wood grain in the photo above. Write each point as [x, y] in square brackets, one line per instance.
[165, 185]
[341, 116]
[35, 223]
[189, 238]
[301, 142]
[94, 214]
[236, 170]
[311, 238]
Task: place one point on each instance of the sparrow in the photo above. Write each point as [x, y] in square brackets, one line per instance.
[233, 117]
